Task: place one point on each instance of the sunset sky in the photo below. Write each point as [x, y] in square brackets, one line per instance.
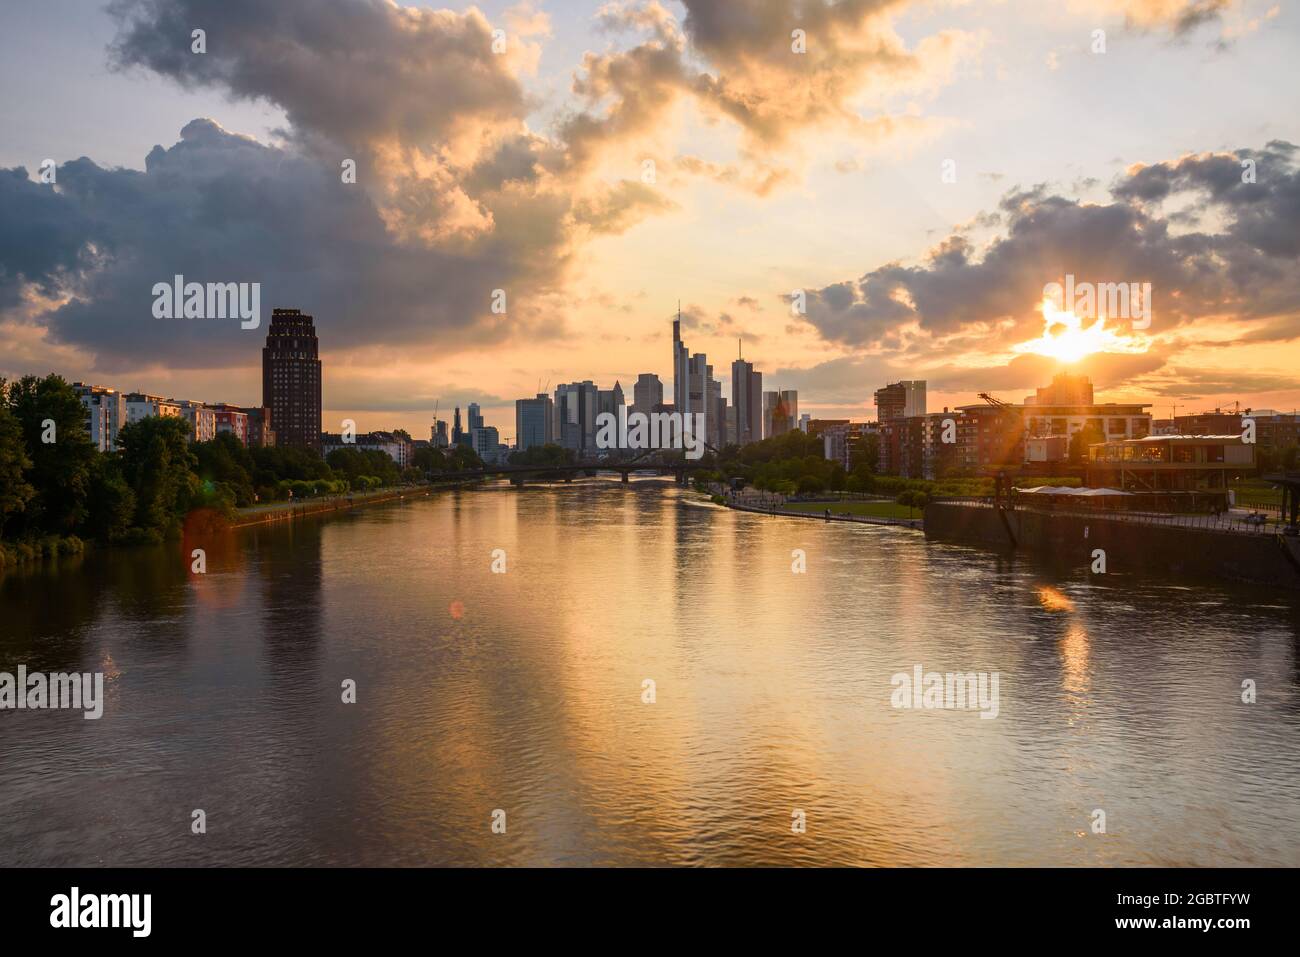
[620, 157]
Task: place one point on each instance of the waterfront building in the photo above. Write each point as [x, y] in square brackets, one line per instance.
[396, 445]
[900, 400]
[231, 419]
[1161, 463]
[291, 378]
[106, 413]
[990, 436]
[141, 405]
[1066, 407]
[202, 419]
[818, 426]
[939, 458]
[903, 446]
[534, 421]
[1275, 430]
[1209, 423]
[843, 441]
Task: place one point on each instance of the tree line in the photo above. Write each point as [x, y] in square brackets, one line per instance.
[57, 489]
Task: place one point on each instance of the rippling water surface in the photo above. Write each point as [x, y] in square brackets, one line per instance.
[523, 691]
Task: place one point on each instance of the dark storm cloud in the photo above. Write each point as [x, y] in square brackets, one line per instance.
[454, 198]
[42, 237]
[221, 207]
[1249, 270]
[358, 72]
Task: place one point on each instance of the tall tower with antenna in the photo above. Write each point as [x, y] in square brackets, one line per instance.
[681, 367]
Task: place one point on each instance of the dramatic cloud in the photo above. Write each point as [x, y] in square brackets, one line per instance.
[454, 195]
[774, 68]
[1246, 270]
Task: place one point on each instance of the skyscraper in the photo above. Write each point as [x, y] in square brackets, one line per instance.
[647, 393]
[457, 433]
[534, 421]
[747, 397]
[703, 395]
[575, 416]
[475, 416]
[681, 368]
[291, 379]
[785, 414]
[610, 400]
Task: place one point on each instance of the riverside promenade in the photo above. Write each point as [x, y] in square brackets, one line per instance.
[285, 511]
[766, 503]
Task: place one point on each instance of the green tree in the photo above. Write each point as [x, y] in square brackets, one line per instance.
[15, 490]
[60, 468]
[111, 503]
[224, 461]
[158, 465]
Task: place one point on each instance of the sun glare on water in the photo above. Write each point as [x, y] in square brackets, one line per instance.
[1066, 339]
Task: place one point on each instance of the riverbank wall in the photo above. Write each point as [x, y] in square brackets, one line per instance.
[1131, 546]
[286, 511]
[914, 523]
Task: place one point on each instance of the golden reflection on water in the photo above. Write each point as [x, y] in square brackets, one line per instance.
[524, 691]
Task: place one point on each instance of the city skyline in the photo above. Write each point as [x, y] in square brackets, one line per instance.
[930, 279]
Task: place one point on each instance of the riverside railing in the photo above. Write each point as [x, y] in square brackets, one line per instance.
[1221, 522]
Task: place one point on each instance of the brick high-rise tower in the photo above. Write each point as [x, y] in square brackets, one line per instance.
[291, 379]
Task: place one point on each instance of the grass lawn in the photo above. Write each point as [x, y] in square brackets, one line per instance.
[1255, 492]
[872, 509]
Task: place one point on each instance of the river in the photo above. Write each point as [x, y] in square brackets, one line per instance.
[524, 691]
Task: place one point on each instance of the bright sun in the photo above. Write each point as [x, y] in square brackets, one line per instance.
[1066, 339]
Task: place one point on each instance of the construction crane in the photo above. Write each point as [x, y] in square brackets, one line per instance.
[996, 403]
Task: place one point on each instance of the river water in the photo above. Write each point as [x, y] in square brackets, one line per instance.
[524, 692]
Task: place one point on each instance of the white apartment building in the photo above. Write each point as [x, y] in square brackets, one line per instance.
[106, 413]
[141, 405]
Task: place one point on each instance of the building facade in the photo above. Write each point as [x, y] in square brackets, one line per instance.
[900, 400]
[747, 400]
[534, 421]
[291, 379]
[106, 413]
[396, 445]
[1170, 463]
[647, 393]
[141, 405]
